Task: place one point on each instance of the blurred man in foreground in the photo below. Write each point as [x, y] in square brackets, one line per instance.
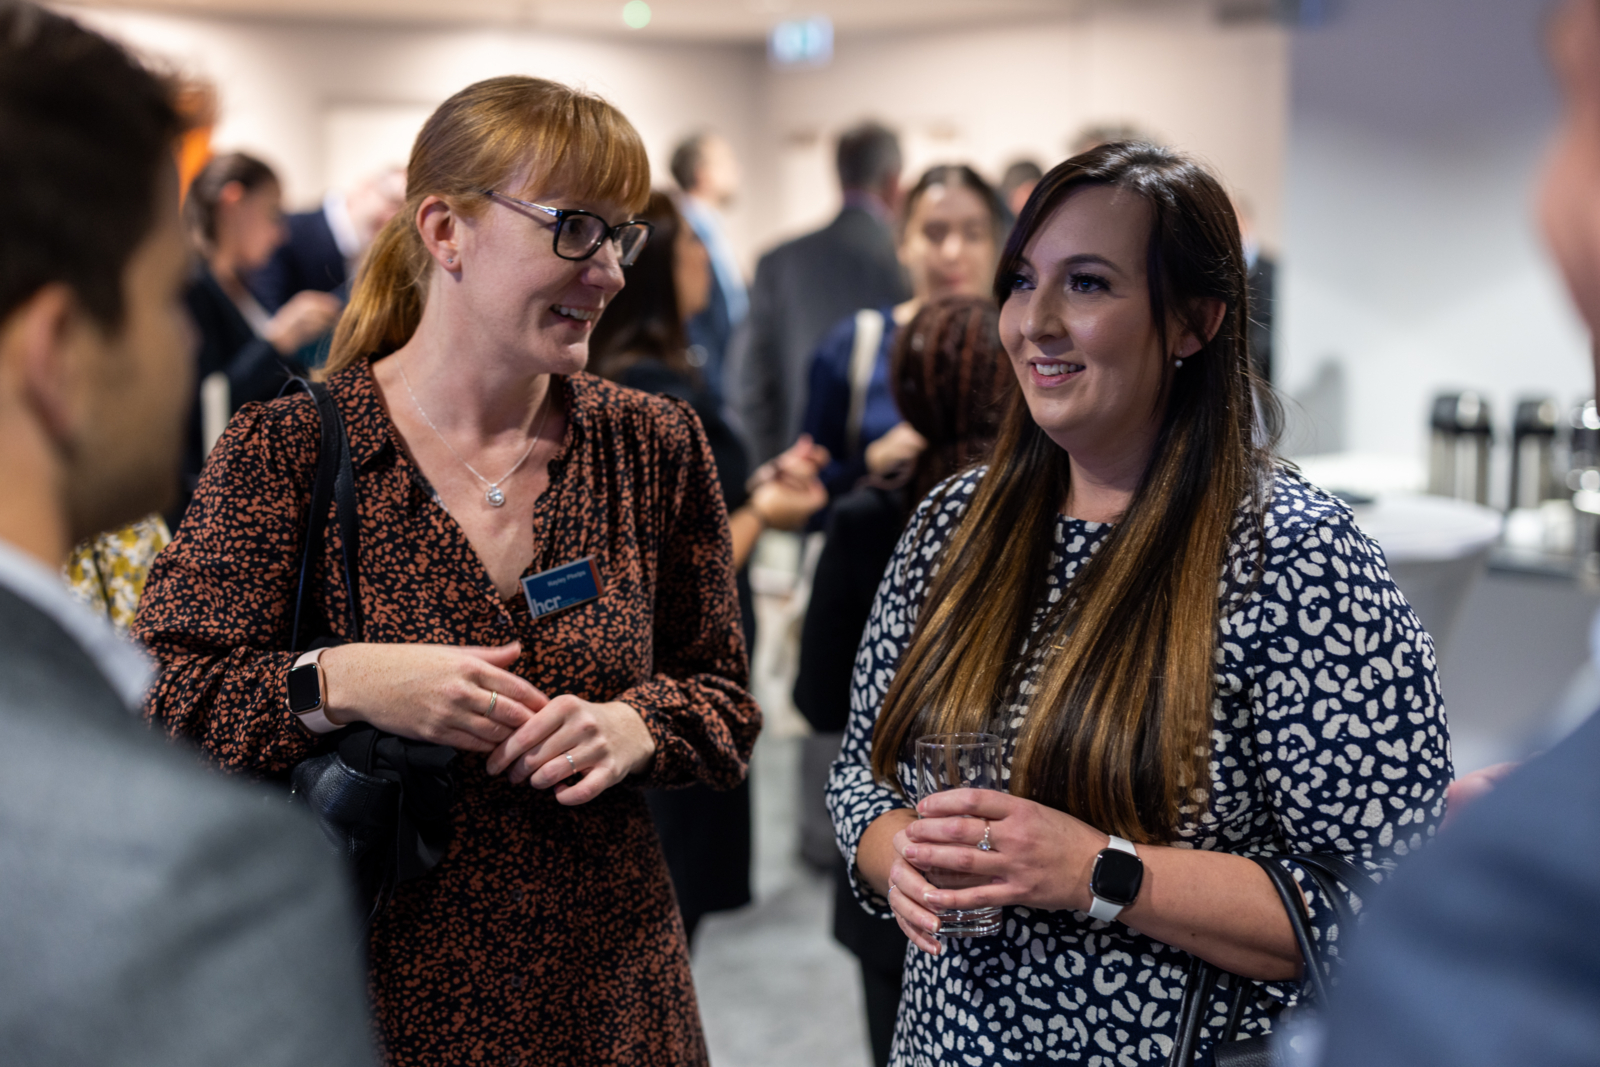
[1486, 950]
[150, 911]
[804, 287]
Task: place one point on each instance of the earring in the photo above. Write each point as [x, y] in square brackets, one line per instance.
[450, 262]
[1177, 363]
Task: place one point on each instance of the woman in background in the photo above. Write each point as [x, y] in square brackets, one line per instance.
[1192, 655]
[951, 227]
[641, 342]
[946, 372]
[235, 215]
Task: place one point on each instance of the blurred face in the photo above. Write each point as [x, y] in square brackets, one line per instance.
[1569, 203]
[515, 294]
[1078, 327]
[948, 247]
[691, 273]
[125, 460]
[250, 224]
[719, 172]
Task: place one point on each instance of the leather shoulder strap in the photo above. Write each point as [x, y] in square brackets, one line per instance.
[335, 480]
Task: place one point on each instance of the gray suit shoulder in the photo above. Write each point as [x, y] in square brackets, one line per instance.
[156, 913]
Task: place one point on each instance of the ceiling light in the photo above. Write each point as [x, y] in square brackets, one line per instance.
[636, 14]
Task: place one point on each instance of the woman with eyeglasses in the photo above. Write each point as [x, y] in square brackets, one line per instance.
[493, 477]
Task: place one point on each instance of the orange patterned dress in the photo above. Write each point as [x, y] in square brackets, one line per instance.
[547, 935]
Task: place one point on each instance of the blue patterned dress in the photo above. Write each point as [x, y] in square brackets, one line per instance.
[1328, 734]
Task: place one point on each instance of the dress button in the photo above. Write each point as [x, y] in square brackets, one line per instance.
[522, 895]
[516, 981]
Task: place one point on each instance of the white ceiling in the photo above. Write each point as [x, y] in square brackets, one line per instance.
[682, 19]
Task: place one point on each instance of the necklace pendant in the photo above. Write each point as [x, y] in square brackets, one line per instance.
[495, 497]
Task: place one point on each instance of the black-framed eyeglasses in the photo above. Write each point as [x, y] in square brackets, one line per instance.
[579, 234]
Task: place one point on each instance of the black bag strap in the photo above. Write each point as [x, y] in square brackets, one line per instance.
[1326, 870]
[335, 479]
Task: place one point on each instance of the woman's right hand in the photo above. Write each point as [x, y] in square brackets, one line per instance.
[440, 693]
[307, 316]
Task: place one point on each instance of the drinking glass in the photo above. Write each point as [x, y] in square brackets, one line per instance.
[959, 761]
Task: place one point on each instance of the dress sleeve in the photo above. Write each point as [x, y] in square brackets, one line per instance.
[1349, 728]
[216, 607]
[855, 797]
[696, 704]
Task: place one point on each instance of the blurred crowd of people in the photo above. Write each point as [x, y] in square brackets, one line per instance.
[1026, 423]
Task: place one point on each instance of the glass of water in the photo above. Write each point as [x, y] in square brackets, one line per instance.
[959, 761]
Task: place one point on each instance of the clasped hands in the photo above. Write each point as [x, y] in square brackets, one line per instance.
[467, 698]
[1038, 857]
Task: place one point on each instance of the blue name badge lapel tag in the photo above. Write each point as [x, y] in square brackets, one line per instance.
[563, 587]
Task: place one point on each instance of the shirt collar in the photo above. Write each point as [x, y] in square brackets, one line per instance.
[123, 663]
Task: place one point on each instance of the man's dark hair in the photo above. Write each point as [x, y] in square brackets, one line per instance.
[869, 155]
[686, 160]
[85, 134]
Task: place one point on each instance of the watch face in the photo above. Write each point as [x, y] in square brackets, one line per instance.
[1117, 876]
[305, 689]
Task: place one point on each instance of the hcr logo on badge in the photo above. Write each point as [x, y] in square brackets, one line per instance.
[563, 587]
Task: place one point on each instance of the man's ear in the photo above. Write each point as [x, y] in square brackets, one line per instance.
[45, 350]
[1212, 312]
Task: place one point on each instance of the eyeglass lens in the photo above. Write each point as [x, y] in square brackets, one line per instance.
[581, 235]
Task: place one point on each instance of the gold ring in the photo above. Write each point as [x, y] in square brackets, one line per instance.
[494, 698]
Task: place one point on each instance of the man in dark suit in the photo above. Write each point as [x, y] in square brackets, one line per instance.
[804, 287]
[1486, 948]
[324, 246]
[151, 911]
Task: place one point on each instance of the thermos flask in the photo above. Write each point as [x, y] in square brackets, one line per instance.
[1458, 461]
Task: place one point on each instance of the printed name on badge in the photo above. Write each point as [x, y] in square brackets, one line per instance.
[563, 587]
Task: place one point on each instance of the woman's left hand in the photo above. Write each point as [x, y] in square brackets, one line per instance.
[569, 736]
[1038, 857]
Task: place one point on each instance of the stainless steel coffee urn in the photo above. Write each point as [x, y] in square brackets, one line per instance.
[1533, 453]
[1458, 458]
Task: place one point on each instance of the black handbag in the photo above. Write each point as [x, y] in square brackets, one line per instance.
[1326, 871]
[383, 801]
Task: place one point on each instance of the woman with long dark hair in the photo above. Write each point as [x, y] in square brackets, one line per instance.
[1191, 654]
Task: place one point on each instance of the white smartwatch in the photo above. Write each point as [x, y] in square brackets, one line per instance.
[1115, 880]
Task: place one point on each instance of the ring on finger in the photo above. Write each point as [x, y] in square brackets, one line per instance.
[985, 845]
[494, 698]
[571, 762]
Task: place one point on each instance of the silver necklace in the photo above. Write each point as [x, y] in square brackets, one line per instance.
[493, 494]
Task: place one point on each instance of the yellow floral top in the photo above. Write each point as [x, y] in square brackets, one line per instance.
[107, 572]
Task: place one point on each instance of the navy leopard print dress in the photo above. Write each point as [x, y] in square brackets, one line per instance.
[1328, 735]
[548, 934]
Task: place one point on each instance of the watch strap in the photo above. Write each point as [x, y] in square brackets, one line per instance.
[1102, 909]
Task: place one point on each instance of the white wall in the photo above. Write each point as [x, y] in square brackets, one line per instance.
[1410, 250]
[318, 99]
[990, 95]
[286, 87]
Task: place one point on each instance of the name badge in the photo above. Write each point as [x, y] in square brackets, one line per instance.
[563, 587]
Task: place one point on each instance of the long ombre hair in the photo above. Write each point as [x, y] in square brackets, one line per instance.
[1118, 731]
[528, 129]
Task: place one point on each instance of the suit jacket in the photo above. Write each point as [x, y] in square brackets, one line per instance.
[801, 289]
[153, 912]
[309, 259]
[1263, 290]
[1486, 948]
